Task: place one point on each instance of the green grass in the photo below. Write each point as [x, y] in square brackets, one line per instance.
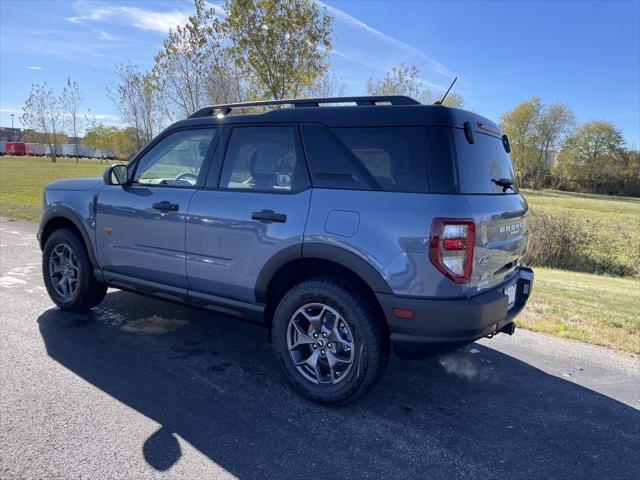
[592, 308]
[609, 211]
[22, 180]
[614, 220]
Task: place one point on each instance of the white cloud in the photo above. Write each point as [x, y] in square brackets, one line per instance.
[107, 37]
[14, 110]
[134, 16]
[34, 67]
[351, 21]
[107, 117]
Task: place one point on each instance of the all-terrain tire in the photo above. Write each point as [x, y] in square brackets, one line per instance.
[88, 292]
[369, 338]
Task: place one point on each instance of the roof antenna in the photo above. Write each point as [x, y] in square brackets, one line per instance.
[439, 102]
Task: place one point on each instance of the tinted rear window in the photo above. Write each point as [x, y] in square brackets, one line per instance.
[441, 155]
[332, 164]
[482, 162]
[372, 158]
[394, 156]
[399, 159]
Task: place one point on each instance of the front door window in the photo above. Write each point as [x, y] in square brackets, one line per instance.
[175, 161]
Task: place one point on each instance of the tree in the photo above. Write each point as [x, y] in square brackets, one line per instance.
[282, 46]
[41, 112]
[629, 184]
[99, 136]
[593, 158]
[135, 96]
[520, 125]
[193, 70]
[123, 140]
[555, 123]
[31, 136]
[71, 101]
[535, 131]
[405, 80]
[328, 85]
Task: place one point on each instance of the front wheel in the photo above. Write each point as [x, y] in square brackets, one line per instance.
[330, 341]
[68, 273]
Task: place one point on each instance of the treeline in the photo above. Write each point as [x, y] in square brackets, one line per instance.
[551, 150]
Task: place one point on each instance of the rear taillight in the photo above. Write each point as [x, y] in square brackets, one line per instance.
[451, 247]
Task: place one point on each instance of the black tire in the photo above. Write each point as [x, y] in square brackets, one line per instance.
[89, 292]
[369, 337]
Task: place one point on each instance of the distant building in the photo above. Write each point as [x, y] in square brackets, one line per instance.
[8, 134]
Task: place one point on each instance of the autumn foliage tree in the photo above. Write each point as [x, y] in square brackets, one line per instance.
[594, 158]
[123, 140]
[536, 131]
[282, 46]
[405, 80]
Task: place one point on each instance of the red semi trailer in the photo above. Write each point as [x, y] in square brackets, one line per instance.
[16, 148]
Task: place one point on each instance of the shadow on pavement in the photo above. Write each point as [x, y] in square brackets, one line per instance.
[215, 382]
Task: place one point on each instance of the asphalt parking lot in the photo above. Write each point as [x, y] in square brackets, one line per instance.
[145, 389]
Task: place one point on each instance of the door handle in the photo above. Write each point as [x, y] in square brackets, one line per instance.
[166, 206]
[268, 216]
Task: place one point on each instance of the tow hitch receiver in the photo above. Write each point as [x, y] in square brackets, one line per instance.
[509, 329]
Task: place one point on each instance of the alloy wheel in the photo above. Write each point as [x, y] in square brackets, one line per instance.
[320, 343]
[64, 270]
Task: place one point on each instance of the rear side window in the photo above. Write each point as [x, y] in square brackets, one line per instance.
[372, 158]
[394, 156]
[263, 158]
[332, 165]
[482, 162]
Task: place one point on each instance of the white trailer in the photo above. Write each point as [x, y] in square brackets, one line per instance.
[85, 151]
[68, 150]
[40, 149]
[100, 153]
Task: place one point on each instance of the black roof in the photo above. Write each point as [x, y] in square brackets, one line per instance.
[369, 111]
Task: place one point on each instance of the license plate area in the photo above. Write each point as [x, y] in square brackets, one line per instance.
[510, 292]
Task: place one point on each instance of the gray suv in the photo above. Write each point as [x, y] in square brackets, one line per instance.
[348, 231]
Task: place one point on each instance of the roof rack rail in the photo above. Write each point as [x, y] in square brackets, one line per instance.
[224, 109]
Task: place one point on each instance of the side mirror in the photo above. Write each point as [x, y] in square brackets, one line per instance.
[116, 175]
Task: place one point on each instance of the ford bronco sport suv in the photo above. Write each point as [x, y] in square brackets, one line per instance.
[348, 231]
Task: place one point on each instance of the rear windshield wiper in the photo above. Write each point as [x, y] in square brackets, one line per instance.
[504, 183]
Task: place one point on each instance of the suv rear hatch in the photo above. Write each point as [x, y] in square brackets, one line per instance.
[486, 178]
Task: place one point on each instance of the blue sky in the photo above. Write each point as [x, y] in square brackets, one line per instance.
[585, 54]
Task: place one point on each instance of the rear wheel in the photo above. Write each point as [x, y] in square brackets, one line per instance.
[330, 341]
[68, 273]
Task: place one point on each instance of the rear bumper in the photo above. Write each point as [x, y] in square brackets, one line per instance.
[438, 324]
